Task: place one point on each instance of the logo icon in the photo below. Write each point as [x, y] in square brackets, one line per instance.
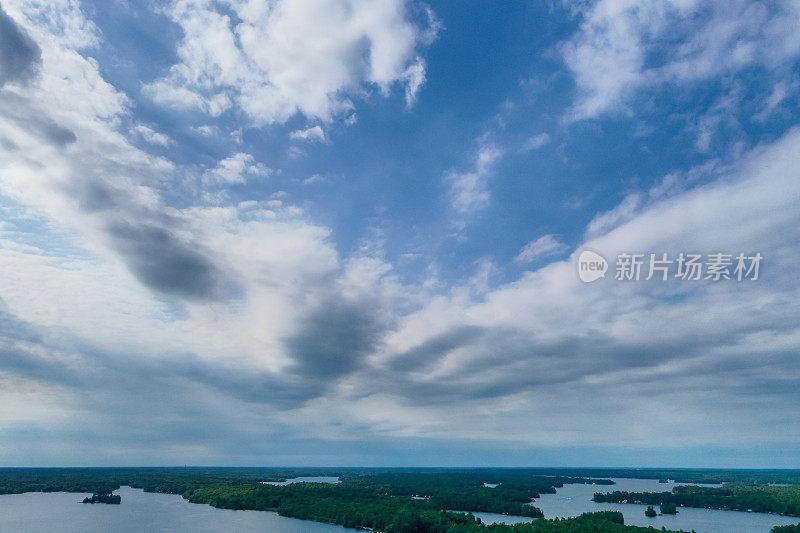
[591, 266]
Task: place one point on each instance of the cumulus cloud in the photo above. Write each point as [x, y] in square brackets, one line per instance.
[236, 169]
[310, 134]
[533, 338]
[276, 59]
[247, 305]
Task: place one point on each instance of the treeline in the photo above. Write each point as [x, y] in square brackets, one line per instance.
[378, 500]
[353, 497]
[164, 480]
[731, 496]
[756, 477]
[388, 500]
[786, 529]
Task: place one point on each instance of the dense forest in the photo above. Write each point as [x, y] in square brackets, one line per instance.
[733, 496]
[400, 500]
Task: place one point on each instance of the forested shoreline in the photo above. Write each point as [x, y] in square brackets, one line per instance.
[386, 500]
[731, 496]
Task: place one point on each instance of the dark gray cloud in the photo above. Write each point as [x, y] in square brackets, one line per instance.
[94, 196]
[20, 56]
[432, 351]
[13, 328]
[164, 262]
[144, 236]
[58, 135]
[503, 361]
[146, 240]
[333, 339]
[46, 355]
[18, 109]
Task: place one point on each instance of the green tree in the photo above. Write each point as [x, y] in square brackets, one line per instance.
[668, 508]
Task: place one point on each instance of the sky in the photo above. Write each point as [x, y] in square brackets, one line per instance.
[347, 233]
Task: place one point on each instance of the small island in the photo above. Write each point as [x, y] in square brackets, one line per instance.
[650, 512]
[114, 499]
[668, 508]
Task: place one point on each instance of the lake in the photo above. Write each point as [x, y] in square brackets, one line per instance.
[141, 511]
[36, 512]
[572, 500]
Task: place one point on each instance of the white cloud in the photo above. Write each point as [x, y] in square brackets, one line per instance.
[310, 134]
[61, 21]
[469, 191]
[282, 57]
[206, 130]
[667, 343]
[228, 293]
[536, 142]
[623, 212]
[542, 247]
[236, 169]
[150, 135]
[485, 270]
[608, 53]
[415, 78]
[316, 178]
[780, 91]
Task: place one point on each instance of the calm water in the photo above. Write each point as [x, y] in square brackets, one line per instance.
[36, 512]
[572, 500]
[306, 479]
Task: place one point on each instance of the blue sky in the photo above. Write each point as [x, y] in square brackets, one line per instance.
[339, 232]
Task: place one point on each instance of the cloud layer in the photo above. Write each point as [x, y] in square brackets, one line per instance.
[151, 314]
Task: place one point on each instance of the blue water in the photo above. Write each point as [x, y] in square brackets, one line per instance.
[48, 512]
